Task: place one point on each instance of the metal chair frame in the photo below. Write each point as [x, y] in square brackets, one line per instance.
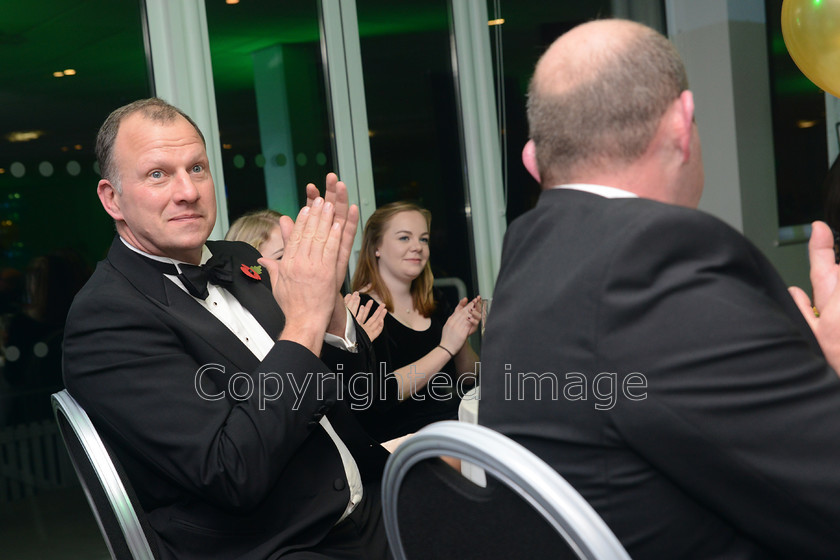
[122, 508]
[515, 466]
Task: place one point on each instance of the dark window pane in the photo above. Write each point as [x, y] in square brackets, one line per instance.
[799, 141]
[529, 27]
[66, 65]
[413, 119]
[271, 102]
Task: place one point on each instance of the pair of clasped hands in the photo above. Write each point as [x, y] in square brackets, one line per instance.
[307, 280]
[823, 313]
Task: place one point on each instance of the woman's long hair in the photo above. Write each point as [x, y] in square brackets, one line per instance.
[367, 269]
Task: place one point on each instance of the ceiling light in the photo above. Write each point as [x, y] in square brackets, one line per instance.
[58, 74]
[231, 2]
[802, 123]
[499, 21]
[69, 72]
[24, 135]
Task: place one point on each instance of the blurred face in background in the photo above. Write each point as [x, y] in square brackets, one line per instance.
[274, 246]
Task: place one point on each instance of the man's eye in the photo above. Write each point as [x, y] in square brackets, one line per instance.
[198, 168]
[156, 174]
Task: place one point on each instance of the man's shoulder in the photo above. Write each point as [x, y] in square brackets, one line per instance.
[687, 225]
[634, 213]
[105, 285]
[121, 281]
[562, 209]
[234, 248]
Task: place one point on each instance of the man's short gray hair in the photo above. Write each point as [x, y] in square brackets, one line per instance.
[611, 115]
[154, 109]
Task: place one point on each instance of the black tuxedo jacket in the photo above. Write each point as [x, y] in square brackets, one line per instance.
[222, 472]
[655, 359]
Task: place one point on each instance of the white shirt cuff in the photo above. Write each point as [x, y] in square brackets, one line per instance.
[349, 341]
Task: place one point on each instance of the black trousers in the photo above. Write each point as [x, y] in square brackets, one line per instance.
[359, 536]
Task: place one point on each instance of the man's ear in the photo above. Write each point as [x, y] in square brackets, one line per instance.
[529, 160]
[686, 123]
[109, 198]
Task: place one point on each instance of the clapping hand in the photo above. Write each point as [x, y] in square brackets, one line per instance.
[346, 214]
[373, 323]
[462, 323]
[305, 282]
[823, 314]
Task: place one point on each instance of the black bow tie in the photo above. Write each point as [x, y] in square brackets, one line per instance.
[218, 270]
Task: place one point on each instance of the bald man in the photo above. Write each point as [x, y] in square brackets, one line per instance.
[646, 350]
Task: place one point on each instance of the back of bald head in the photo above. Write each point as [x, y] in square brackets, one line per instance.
[597, 96]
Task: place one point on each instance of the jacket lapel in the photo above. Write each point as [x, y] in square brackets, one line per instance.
[180, 305]
[254, 295]
[201, 322]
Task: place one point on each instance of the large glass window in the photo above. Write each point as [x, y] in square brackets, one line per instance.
[519, 34]
[66, 65]
[799, 134]
[413, 119]
[271, 102]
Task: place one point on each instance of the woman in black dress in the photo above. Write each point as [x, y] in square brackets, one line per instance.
[423, 349]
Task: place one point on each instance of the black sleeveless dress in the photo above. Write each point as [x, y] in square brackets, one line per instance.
[383, 414]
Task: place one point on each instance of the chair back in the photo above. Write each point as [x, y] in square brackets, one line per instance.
[115, 507]
[526, 510]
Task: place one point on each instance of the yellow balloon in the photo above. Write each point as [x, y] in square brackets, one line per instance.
[811, 29]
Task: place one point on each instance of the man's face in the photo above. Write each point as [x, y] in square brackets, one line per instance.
[168, 205]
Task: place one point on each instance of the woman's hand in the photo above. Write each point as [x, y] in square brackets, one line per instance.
[373, 323]
[462, 323]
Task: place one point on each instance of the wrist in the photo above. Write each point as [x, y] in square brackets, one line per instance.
[445, 349]
[305, 333]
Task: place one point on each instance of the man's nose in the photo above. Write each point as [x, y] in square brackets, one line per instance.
[185, 189]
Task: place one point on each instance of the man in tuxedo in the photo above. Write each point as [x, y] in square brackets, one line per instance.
[646, 350]
[228, 425]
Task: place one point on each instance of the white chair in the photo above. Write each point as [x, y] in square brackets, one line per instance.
[118, 514]
[530, 511]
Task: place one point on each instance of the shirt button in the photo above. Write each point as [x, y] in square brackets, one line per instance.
[356, 499]
[339, 484]
[215, 303]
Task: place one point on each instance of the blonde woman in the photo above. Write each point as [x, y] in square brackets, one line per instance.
[261, 229]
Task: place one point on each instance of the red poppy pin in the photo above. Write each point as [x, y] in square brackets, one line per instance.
[252, 271]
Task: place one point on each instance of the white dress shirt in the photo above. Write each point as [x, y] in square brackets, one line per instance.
[242, 323]
[600, 190]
